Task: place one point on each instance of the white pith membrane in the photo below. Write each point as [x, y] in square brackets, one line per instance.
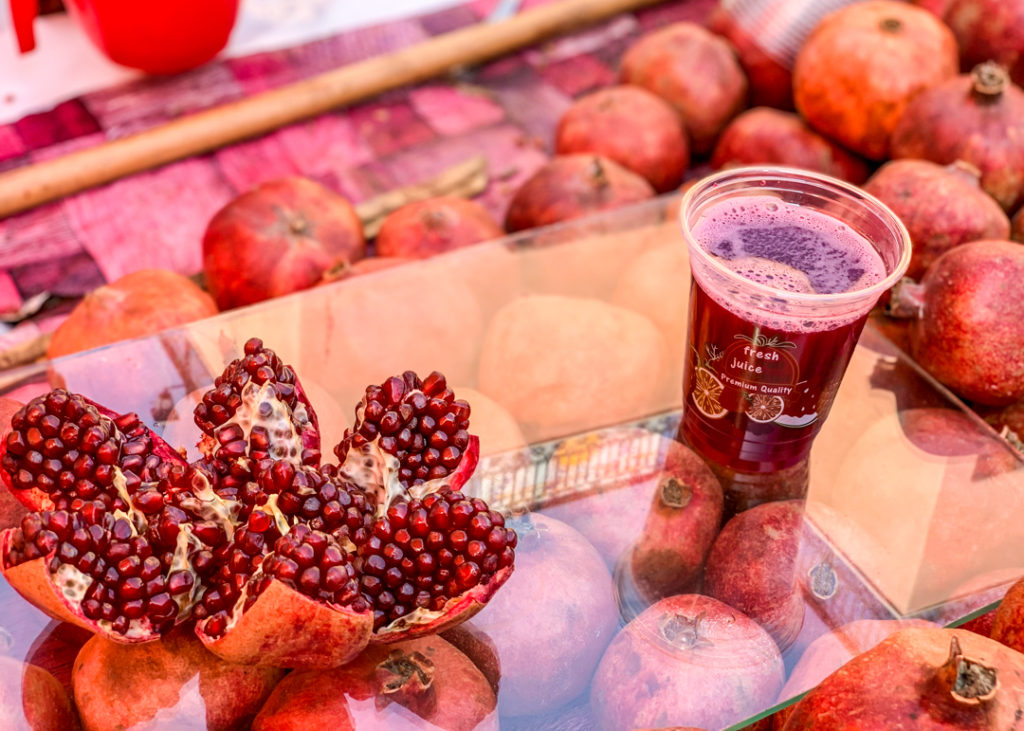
[262, 407]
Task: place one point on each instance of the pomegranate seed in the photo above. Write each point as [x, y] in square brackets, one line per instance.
[458, 540]
[161, 606]
[476, 550]
[132, 588]
[309, 580]
[180, 582]
[120, 625]
[425, 564]
[468, 574]
[374, 565]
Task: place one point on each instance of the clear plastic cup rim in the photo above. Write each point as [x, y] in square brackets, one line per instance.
[760, 178]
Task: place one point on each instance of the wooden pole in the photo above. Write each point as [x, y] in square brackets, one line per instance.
[25, 187]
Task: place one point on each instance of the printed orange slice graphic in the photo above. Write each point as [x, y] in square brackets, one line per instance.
[706, 390]
[764, 408]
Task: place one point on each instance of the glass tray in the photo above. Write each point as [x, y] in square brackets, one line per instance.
[568, 342]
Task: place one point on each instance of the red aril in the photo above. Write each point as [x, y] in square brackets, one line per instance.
[769, 136]
[686, 660]
[434, 226]
[141, 303]
[925, 679]
[941, 207]
[967, 331]
[12, 509]
[631, 126]
[173, 683]
[278, 238]
[752, 567]
[406, 685]
[988, 30]
[693, 70]
[976, 117]
[31, 698]
[862, 64]
[571, 186]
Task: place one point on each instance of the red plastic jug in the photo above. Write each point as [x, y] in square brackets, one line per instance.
[156, 36]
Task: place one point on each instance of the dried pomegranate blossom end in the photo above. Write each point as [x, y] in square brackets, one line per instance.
[257, 411]
[968, 681]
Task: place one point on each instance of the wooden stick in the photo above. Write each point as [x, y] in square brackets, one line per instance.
[31, 185]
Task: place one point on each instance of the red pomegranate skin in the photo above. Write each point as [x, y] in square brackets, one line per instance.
[771, 83]
[140, 303]
[688, 660]
[862, 64]
[682, 522]
[278, 238]
[941, 207]
[752, 567]
[969, 333]
[31, 699]
[1008, 620]
[898, 686]
[570, 186]
[552, 619]
[118, 685]
[989, 30]
[954, 120]
[770, 136]
[631, 126]
[433, 226]
[696, 72]
[457, 696]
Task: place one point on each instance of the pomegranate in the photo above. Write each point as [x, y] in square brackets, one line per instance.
[571, 186]
[32, 699]
[1008, 621]
[830, 651]
[280, 237]
[683, 520]
[137, 304]
[479, 648]
[941, 207]
[862, 64]
[921, 678]
[434, 226]
[400, 686]
[771, 83]
[988, 30]
[552, 621]
[752, 567]
[695, 71]
[173, 681]
[542, 346]
[770, 136]
[976, 118]
[967, 331]
[256, 538]
[631, 126]
[686, 660]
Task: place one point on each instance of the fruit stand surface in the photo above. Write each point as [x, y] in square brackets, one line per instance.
[506, 110]
[894, 528]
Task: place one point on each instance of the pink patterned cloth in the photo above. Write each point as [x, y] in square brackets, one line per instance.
[506, 110]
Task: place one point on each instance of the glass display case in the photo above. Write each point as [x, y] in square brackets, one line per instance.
[568, 344]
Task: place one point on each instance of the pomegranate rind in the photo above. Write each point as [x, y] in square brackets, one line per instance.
[33, 581]
[284, 628]
[455, 612]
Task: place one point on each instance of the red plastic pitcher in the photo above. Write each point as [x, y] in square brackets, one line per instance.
[156, 36]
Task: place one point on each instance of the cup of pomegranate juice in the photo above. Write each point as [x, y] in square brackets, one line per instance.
[786, 265]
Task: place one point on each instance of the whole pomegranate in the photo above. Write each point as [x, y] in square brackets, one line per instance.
[752, 567]
[695, 71]
[434, 226]
[969, 313]
[771, 83]
[31, 699]
[552, 621]
[941, 207]
[862, 64]
[256, 537]
[770, 136]
[989, 30]
[137, 304]
[682, 522]
[570, 186]
[124, 686]
[278, 238]
[400, 686]
[631, 126]
[1008, 622]
[920, 678]
[976, 118]
[686, 660]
